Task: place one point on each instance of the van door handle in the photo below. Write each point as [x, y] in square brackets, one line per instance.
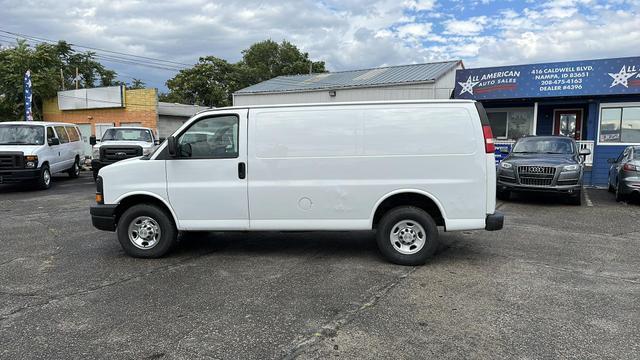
[242, 170]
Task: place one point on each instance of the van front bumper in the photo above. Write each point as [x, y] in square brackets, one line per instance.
[494, 221]
[103, 217]
[18, 175]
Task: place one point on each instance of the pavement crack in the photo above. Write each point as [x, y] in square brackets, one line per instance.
[343, 318]
[61, 297]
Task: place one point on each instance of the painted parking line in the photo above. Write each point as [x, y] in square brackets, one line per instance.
[587, 199]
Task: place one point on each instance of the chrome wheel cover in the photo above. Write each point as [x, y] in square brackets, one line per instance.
[46, 176]
[407, 237]
[144, 232]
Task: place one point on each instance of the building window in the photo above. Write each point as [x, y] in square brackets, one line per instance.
[620, 125]
[511, 123]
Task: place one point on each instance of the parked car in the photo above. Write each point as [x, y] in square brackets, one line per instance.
[552, 164]
[32, 151]
[402, 168]
[624, 173]
[119, 143]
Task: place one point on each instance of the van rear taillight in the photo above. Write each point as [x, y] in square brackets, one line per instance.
[489, 146]
[630, 167]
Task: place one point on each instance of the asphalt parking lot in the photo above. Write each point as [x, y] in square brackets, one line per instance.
[558, 282]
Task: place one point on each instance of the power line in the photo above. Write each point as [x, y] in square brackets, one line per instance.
[97, 49]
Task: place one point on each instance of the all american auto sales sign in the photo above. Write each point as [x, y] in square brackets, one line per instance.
[573, 78]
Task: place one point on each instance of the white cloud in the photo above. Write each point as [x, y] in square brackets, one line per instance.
[347, 34]
[471, 26]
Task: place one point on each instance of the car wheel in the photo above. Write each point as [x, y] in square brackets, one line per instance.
[407, 236]
[146, 231]
[503, 195]
[619, 196]
[74, 172]
[576, 198]
[611, 188]
[44, 181]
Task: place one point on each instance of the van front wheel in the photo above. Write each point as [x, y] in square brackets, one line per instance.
[407, 236]
[146, 231]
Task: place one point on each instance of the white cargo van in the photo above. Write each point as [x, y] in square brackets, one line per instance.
[30, 151]
[400, 168]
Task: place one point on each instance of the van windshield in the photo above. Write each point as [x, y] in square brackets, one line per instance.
[114, 134]
[21, 135]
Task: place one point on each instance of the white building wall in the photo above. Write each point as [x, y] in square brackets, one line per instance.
[441, 89]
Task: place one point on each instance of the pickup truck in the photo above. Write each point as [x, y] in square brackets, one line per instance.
[119, 143]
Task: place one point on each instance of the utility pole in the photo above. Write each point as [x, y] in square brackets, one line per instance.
[62, 78]
[310, 67]
[77, 78]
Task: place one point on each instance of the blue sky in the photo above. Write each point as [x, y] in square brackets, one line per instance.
[346, 34]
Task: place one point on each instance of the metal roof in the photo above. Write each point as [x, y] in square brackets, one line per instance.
[175, 109]
[392, 75]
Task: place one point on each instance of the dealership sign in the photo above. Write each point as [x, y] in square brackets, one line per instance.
[574, 78]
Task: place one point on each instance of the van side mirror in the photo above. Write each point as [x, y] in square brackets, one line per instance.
[172, 146]
[53, 141]
[92, 140]
[584, 152]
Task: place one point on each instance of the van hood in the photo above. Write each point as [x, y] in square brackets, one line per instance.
[143, 144]
[26, 149]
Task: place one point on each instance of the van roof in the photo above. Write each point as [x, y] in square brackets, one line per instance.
[386, 102]
[42, 123]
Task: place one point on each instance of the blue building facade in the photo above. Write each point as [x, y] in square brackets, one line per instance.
[597, 102]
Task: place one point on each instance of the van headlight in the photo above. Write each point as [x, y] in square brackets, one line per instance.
[506, 165]
[31, 161]
[146, 151]
[573, 167]
[95, 153]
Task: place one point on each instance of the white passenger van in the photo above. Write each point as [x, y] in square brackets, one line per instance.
[30, 151]
[400, 168]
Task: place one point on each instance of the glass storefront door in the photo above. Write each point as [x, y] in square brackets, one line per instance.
[568, 123]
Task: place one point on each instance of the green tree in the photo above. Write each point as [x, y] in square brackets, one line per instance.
[135, 84]
[212, 81]
[45, 62]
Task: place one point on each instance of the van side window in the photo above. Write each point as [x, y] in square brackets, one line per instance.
[73, 133]
[210, 138]
[62, 134]
[50, 134]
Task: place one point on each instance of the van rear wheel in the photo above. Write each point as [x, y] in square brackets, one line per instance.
[146, 231]
[74, 171]
[407, 235]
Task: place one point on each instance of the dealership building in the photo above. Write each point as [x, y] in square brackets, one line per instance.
[597, 102]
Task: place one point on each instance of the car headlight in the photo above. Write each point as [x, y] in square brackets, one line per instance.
[31, 161]
[573, 167]
[506, 165]
[95, 153]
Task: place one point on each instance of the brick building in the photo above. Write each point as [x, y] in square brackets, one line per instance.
[97, 109]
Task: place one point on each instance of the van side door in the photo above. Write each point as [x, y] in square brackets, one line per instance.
[207, 179]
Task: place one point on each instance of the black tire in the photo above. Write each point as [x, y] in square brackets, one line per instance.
[74, 172]
[44, 180]
[504, 195]
[576, 198]
[168, 232]
[410, 214]
[611, 188]
[619, 196]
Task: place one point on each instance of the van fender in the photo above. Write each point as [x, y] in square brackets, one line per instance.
[153, 195]
[404, 191]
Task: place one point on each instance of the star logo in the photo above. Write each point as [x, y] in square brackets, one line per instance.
[467, 87]
[621, 78]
